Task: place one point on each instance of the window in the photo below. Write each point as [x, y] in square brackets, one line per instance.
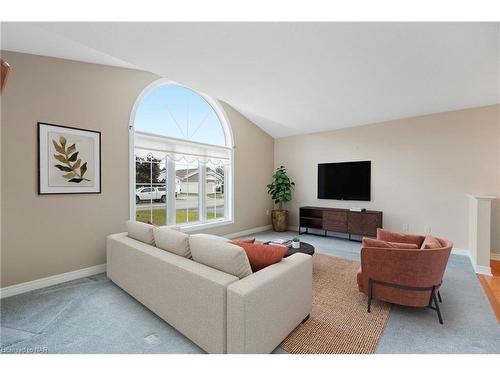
[181, 153]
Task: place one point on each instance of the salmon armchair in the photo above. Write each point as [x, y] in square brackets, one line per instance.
[409, 277]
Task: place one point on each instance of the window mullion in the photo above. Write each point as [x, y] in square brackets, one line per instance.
[202, 206]
[171, 187]
[227, 189]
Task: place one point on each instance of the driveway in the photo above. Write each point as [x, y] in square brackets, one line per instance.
[190, 202]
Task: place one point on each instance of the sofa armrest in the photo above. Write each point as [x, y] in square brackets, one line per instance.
[263, 308]
[418, 268]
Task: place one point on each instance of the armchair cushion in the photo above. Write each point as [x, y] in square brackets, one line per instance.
[431, 242]
[370, 242]
[386, 235]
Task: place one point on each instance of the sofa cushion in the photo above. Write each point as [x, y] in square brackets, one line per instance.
[221, 255]
[260, 255]
[173, 241]
[387, 235]
[431, 242]
[370, 242]
[141, 231]
[210, 237]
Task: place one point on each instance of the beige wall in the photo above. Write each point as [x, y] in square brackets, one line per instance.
[49, 235]
[422, 168]
[253, 169]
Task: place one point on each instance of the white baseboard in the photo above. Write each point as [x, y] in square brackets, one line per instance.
[495, 256]
[249, 231]
[483, 270]
[51, 280]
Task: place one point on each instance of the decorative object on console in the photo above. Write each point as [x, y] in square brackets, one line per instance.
[357, 209]
[69, 160]
[280, 191]
[409, 277]
[340, 220]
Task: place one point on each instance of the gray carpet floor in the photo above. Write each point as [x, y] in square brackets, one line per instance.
[92, 315]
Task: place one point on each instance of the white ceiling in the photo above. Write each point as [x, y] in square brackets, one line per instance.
[295, 78]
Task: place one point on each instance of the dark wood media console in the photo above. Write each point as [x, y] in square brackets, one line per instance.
[340, 220]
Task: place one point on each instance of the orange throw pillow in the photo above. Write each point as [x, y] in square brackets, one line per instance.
[431, 242]
[369, 242]
[387, 235]
[261, 256]
[242, 240]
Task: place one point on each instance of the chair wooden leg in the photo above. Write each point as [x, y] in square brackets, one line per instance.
[370, 287]
[439, 297]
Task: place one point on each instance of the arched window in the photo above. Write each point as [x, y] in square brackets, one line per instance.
[181, 153]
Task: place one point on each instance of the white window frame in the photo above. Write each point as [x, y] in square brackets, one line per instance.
[228, 170]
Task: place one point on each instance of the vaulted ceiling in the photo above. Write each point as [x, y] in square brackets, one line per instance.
[295, 78]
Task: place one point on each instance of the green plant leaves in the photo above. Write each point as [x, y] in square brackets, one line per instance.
[281, 188]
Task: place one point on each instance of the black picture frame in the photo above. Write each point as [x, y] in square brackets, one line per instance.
[99, 154]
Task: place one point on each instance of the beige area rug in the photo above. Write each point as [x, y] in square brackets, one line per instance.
[339, 322]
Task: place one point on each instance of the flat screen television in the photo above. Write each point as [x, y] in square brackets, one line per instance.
[346, 181]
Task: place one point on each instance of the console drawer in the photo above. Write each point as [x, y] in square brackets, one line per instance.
[364, 223]
[335, 221]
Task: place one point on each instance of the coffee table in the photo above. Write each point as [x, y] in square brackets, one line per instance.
[305, 248]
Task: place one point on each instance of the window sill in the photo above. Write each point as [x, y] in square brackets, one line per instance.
[206, 225]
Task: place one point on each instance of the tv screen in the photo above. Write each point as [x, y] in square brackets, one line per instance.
[346, 181]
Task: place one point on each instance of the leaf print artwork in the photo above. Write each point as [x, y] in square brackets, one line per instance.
[72, 167]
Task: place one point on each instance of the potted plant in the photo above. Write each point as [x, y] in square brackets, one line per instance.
[296, 242]
[280, 191]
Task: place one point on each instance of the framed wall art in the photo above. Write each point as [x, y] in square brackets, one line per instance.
[69, 160]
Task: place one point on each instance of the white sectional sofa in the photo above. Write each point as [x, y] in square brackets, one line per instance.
[220, 312]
